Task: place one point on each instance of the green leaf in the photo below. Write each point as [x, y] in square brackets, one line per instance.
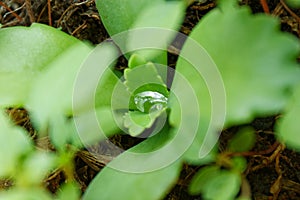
[119, 15]
[151, 30]
[135, 79]
[25, 52]
[287, 129]
[136, 82]
[243, 140]
[239, 163]
[52, 90]
[132, 186]
[43, 163]
[14, 144]
[136, 60]
[294, 3]
[137, 122]
[94, 126]
[199, 181]
[70, 191]
[223, 186]
[25, 194]
[145, 170]
[256, 61]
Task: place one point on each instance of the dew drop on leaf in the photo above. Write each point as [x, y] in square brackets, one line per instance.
[150, 101]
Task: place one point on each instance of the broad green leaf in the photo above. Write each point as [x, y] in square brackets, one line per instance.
[70, 191]
[74, 87]
[119, 15]
[132, 186]
[143, 172]
[256, 61]
[223, 186]
[243, 140]
[95, 80]
[94, 126]
[287, 129]
[146, 35]
[25, 52]
[52, 91]
[199, 181]
[14, 144]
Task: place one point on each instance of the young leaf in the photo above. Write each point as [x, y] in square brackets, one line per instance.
[137, 122]
[25, 52]
[223, 186]
[199, 181]
[287, 129]
[136, 82]
[243, 140]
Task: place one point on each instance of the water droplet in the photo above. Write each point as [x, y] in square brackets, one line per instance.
[150, 101]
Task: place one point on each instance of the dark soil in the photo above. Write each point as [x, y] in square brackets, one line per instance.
[273, 172]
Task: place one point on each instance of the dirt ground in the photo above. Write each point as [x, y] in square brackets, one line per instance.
[273, 171]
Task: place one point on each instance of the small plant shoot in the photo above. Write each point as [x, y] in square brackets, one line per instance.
[232, 68]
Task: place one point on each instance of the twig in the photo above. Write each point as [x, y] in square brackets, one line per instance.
[41, 13]
[264, 152]
[29, 11]
[265, 6]
[49, 12]
[290, 11]
[11, 11]
[82, 26]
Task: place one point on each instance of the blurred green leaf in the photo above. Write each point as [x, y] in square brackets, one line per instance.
[14, 144]
[257, 62]
[42, 162]
[70, 191]
[47, 99]
[243, 140]
[224, 186]
[25, 52]
[294, 3]
[199, 181]
[25, 194]
[94, 126]
[287, 129]
[239, 163]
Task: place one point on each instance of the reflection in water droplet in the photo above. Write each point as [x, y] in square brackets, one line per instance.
[150, 101]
